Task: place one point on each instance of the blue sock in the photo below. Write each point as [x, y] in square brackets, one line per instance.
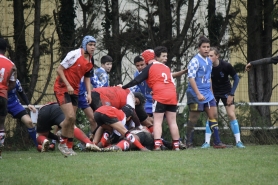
[214, 128]
[208, 131]
[234, 126]
[33, 135]
[190, 132]
[235, 129]
[191, 137]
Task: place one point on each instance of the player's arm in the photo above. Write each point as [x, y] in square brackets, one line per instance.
[179, 73]
[140, 78]
[192, 71]
[12, 80]
[195, 89]
[263, 61]
[235, 83]
[87, 82]
[211, 85]
[23, 96]
[60, 72]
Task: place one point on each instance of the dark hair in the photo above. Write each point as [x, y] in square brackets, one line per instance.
[105, 59]
[202, 39]
[141, 98]
[128, 110]
[3, 45]
[138, 58]
[216, 51]
[160, 49]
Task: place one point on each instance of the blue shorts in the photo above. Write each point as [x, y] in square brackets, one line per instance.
[82, 102]
[200, 107]
[15, 108]
[149, 110]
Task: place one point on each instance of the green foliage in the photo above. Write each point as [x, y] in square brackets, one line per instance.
[214, 28]
[239, 68]
[17, 136]
[210, 166]
[82, 121]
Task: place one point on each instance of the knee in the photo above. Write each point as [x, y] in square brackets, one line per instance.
[71, 118]
[29, 124]
[231, 116]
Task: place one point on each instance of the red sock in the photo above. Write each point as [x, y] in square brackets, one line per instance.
[70, 142]
[150, 128]
[40, 139]
[157, 143]
[175, 144]
[63, 140]
[81, 136]
[123, 144]
[132, 139]
[104, 139]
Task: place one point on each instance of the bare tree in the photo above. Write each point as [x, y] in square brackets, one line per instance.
[21, 52]
[259, 32]
[36, 53]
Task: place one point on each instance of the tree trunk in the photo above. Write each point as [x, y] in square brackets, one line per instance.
[259, 45]
[66, 26]
[20, 54]
[165, 26]
[36, 53]
[115, 47]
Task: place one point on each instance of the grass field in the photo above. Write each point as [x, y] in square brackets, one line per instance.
[253, 165]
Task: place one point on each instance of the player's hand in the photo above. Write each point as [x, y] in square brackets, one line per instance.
[248, 67]
[201, 97]
[70, 89]
[120, 85]
[185, 71]
[230, 100]
[89, 99]
[32, 108]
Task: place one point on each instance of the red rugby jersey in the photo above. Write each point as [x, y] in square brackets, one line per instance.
[75, 66]
[115, 95]
[161, 82]
[7, 73]
[111, 112]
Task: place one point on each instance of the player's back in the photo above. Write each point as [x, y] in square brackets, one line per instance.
[160, 80]
[115, 95]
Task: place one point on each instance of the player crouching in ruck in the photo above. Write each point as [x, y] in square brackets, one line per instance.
[111, 118]
[52, 115]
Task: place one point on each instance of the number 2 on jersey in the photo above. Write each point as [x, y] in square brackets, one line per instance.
[164, 75]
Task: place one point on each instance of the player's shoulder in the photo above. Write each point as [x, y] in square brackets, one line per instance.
[6, 60]
[194, 59]
[156, 63]
[225, 64]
